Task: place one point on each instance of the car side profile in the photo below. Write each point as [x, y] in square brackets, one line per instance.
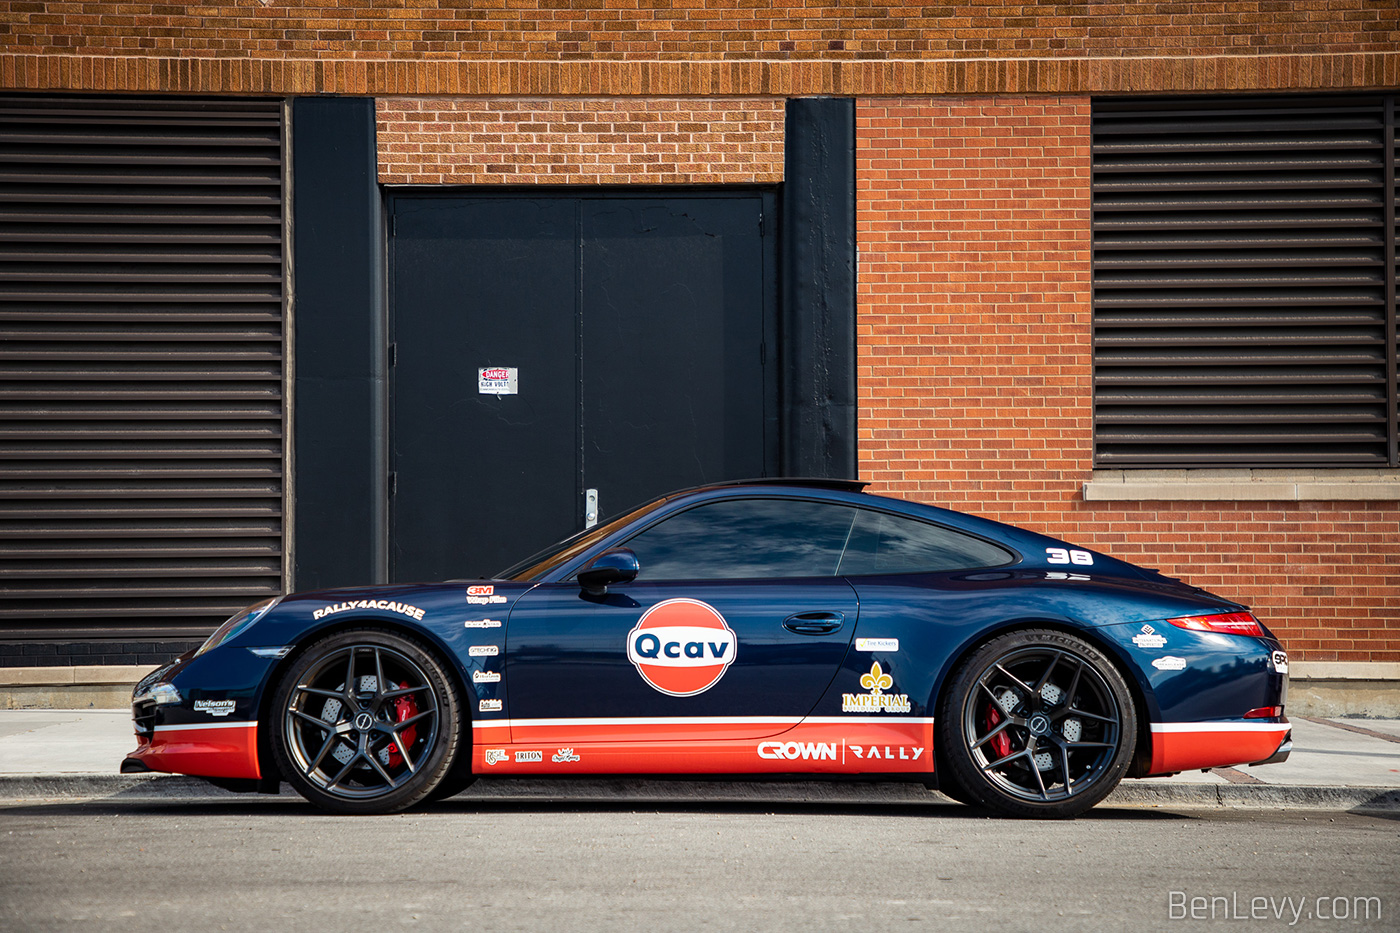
[760, 630]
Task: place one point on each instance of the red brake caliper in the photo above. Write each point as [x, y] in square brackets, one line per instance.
[1001, 742]
[405, 707]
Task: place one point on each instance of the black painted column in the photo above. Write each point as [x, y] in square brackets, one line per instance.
[339, 452]
[818, 315]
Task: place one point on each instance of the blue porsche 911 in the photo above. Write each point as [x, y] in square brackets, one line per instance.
[768, 629]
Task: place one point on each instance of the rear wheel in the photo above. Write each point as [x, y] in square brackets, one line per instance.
[366, 721]
[1037, 723]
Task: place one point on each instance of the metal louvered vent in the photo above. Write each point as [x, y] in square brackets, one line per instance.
[1244, 282]
[141, 328]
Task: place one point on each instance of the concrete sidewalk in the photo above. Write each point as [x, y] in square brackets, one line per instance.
[1336, 764]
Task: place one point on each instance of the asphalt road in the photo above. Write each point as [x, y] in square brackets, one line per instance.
[566, 865]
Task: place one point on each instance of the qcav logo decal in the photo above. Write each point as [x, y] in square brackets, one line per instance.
[681, 647]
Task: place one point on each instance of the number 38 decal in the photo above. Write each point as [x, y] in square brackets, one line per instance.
[1058, 555]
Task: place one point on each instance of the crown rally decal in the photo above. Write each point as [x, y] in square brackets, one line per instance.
[681, 647]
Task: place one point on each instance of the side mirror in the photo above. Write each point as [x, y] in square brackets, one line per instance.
[618, 565]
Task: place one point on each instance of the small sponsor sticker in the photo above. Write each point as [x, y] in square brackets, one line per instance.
[1148, 638]
[495, 756]
[877, 644]
[1280, 661]
[489, 706]
[1169, 663]
[482, 623]
[485, 600]
[563, 756]
[383, 605]
[483, 651]
[214, 707]
[480, 590]
[877, 700]
[486, 677]
[529, 757]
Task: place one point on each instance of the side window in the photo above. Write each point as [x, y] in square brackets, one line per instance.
[882, 543]
[745, 538]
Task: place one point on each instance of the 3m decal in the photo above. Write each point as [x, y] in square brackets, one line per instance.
[529, 757]
[483, 595]
[795, 750]
[483, 651]
[214, 707]
[486, 677]
[384, 605]
[877, 700]
[495, 756]
[1279, 659]
[482, 623]
[489, 706]
[563, 756]
[1059, 555]
[898, 752]
[877, 644]
[1169, 663]
[1148, 638]
[681, 647]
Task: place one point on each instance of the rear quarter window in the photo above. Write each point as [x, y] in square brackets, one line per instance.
[881, 543]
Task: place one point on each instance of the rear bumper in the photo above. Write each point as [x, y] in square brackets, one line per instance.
[1281, 753]
[1187, 746]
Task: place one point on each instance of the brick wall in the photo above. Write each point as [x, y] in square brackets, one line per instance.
[974, 373]
[580, 141]
[717, 47]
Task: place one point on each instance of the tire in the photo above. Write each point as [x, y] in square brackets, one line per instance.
[1037, 723]
[366, 721]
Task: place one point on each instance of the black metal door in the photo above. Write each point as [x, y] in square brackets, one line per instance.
[626, 342]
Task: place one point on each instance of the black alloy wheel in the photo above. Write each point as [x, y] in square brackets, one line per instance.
[366, 721]
[1037, 723]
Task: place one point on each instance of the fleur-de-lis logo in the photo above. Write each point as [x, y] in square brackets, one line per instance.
[877, 680]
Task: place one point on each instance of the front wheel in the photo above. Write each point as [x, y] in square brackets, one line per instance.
[1037, 723]
[366, 721]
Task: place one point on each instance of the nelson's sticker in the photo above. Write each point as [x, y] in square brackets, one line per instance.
[681, 647]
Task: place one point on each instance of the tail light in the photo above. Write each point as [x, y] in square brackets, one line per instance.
[1265, 712]
[1225, 623]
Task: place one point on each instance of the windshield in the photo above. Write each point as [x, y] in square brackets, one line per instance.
[538, 565]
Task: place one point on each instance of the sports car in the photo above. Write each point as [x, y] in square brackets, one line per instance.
[788, 629]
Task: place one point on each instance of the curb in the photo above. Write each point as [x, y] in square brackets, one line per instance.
[25, 787]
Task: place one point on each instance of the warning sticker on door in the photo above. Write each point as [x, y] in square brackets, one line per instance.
[498, 380]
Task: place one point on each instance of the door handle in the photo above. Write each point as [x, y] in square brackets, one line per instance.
[814, 623]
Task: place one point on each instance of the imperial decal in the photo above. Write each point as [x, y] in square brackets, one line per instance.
[1148, 638]
[681, 647]
[483, 651]
[214, 707]
[486, 677]
[482, 623]
[495, 756]
[384, 605]
[793, 750]
[877, 700]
